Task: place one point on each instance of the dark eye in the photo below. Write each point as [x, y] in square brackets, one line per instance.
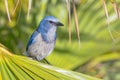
[51, 21]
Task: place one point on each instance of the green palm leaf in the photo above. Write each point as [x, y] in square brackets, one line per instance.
[14, 67]
[94, 33]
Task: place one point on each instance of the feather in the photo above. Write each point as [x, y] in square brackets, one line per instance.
[31, 40]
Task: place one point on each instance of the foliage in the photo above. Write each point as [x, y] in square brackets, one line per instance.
[18, 67]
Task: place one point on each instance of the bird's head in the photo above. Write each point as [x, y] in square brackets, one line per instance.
[49, 22]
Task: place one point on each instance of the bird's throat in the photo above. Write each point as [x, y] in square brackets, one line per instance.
[50, 35]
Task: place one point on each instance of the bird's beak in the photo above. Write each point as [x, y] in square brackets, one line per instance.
[59, 24]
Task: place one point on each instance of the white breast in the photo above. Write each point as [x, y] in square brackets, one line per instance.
[40, 48]
[51, 34]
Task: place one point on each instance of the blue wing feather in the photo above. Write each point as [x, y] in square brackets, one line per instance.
[31, 40]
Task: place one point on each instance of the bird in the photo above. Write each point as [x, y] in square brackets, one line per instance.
[43, 39]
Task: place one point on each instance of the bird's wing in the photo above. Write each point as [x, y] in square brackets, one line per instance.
[31, 40]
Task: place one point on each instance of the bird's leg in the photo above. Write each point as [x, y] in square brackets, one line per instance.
[43, 60]
[46, 61]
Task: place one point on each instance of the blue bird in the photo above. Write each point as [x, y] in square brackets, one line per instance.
[42, 41]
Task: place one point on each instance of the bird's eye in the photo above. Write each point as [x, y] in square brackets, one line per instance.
[51, 21]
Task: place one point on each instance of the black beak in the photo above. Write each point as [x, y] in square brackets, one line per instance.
[59, 24]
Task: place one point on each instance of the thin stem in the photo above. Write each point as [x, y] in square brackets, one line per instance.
[69, 20]
[107, 19]
[76, 22]
[6, 6]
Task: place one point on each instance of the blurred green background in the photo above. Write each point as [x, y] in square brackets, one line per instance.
[97, 55]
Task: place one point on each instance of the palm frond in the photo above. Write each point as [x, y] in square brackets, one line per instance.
[23, 68]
